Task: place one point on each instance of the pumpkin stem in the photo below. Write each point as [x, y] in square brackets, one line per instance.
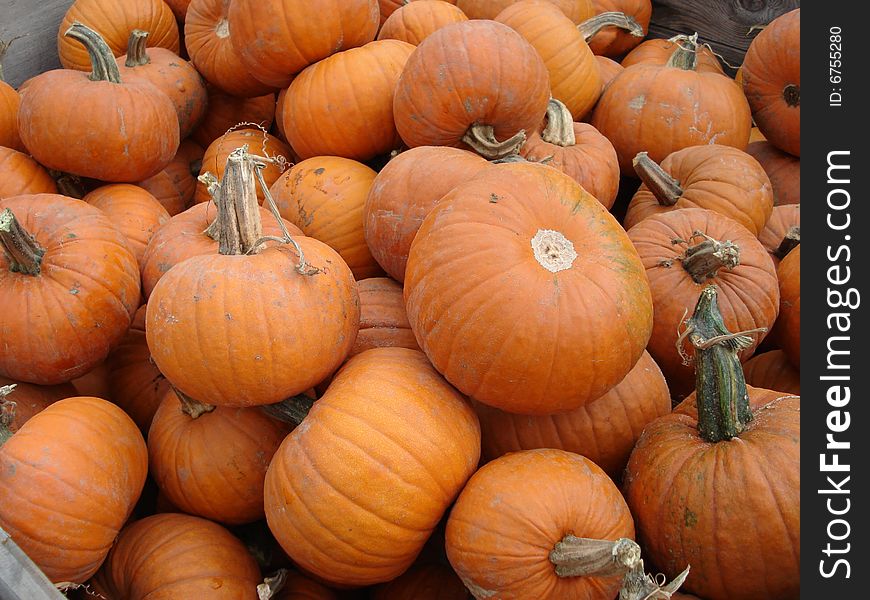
[481, 138]
[192, 408]
[103, 64]
[722, 399]
[240, 229]
[292, 410]
[685, 57]
[637, 585]
[790, 241]
[593, 25]
[665, 188]
[213, 187]
[792, 95]
[7, 412]
[21, 249]
[560, 125]
[272, 585]
[703, 260]
[136, 55]
[586, 557]
[511, 158]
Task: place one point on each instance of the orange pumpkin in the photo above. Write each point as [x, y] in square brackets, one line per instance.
[782, 232]
[20, 401]
[423, 582]
[295, 586]
[383, 321]
[404, 192]
[493, 284]
[772, 81]
[388, 7]
[94, 383]
[357, 464]
[226, 112]
[658, 51]
[498, 93]
[415, 21]
[783, 169]
[69, 286]
[9, 101]
[115, 20]
[614, 41]
[315, 32]
[787, 332]
[20, 174]
[179, 9]
[324, 197]
[62, 506]
[174, 186]
[609, 69]
[772, 370]
[576, 10]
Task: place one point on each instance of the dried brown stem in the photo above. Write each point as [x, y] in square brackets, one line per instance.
[481, 138]
[665, 188]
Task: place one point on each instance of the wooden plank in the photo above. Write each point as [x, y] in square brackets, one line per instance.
[20, 578]
[728, 26]
[35, 25]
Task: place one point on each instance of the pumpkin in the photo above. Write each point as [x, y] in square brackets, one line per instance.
[784, 171]
[207, 37]
[324, 197]
[576, 10]
[225, 112]
[660, 109]
[787, 333]
[352, 124]
[383, 453]
[614, 41]
[136, 213]
[135, 384]
[114, 20]
[432, 581]
[687, 510]
[658, 51]
[169, 73]
[180, 9]
[94, 383]
[295, 586]
[493, 287]
[578, 150]
[415, 21]
[499, 89]
[9, 101]
[62, 506]
[178, 556]
[20, 401]
[772, 370]
[683, 251]
[192, 233]
[174, 186]
[604, 430]
[97, 126]
[69, 286]
[720, 178]
[494, 521]
[404, 192]
[288, 317]
[211, 461]
[782, 232]
[772, 81]
[259, 142]
[20, 174]
[274, 54]
[608, 69]
[388, 7]
[383, 321]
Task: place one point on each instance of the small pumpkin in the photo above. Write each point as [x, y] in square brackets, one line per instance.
[64, 507]
[720, 178]
[492, 286]
[20, 174]
[658, 51]
[108, 129]
[498, 93]
[782, 232]
[787, 332]
[225, 112]
[388, 7]
[115, 20]
[69, 286]
[772, 370]
[415, 21]
[783, 169]
[174, 186]
[383, 453]
[20, 401]
[432, 581]
[772, 81]
[324, 197]
[404, 192]
[169, 73]
[315, 32]
[9, 101]
[208, 40]
[383, 321]
[614, 41]
[576, 10]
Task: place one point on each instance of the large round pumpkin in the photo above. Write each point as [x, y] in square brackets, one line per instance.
[278, 38]
[20, 174]
[772, 370]
[415, 21]
[404, 192]
[526, 293]
[514, 511]
[498, 93]
[771, 74]
[788, 326]
[20, 401]
[783, 169]
[69, 286]
[576, 10]
[383, 321]
[64, 506]
[380, 457]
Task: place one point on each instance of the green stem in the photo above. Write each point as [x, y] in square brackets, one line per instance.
[593, 25]
[665, 188]
[136, 46]
[292, 410]
[685, 57]
[21, 249]
[103, 64]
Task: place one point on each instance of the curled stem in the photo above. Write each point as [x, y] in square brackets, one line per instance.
[481, 138]
[593, 25]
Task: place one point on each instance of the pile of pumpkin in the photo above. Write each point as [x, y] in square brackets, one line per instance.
[342, 303]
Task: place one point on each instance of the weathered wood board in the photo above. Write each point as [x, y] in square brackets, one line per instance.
[34, 23]
[729, 26]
